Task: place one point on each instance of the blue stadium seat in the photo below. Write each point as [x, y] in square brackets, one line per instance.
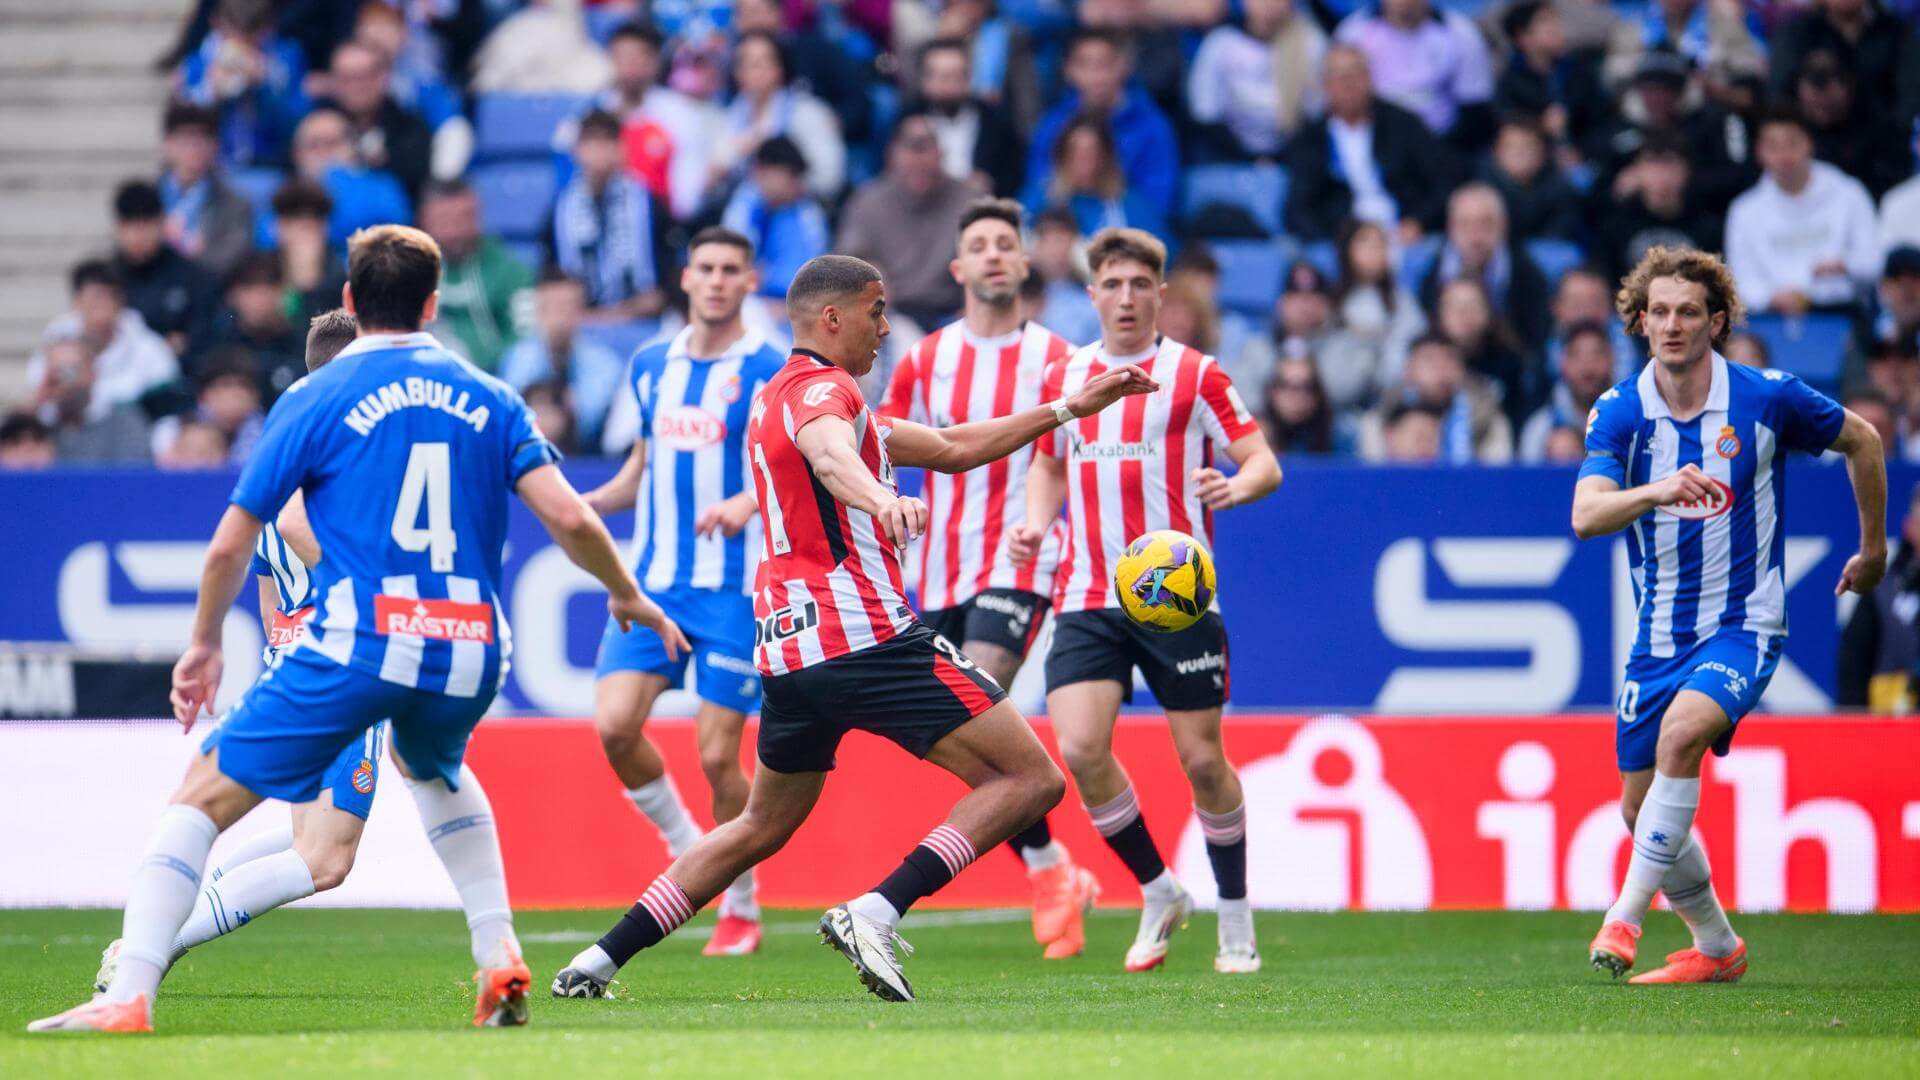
[515, 196]
[258, 185]
[529, 252]
[1323, 256]
[1813, 347]
[519, 125]
[1251, 272]
[1260, 190]
[1555, 257]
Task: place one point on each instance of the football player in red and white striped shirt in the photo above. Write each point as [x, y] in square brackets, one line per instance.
[987, 364]
[1146, 465]
[836, 642]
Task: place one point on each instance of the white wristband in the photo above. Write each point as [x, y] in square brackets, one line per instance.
[1061, 412]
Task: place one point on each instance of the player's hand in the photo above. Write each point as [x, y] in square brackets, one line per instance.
[1215, 490]
[1023, 543]
[1110, 386]
[640, 610]
[196, 678]
[903, 520]
[1862, 573]
[727, 517]
[1689, 485]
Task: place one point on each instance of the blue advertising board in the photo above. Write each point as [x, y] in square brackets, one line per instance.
[1391, 589]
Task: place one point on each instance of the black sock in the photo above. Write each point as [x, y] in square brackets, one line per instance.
[1033, 837]
[928, 867]
[1229, 868]
[659, 911]
[1135, 847]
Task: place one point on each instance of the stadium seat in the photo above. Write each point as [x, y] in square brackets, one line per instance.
[515, 196]
[529, 252]
[1555, 257]
[1260, 190]
[1813, 347]
[1251, 272]
[1323, 256]
[258, 185]
[519, 125]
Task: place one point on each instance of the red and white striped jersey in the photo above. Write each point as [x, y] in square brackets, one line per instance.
[952, 377]
[829, 581]
[1128, 465]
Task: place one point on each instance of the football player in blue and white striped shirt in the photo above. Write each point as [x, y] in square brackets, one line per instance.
[699, 542]
[1689, 457]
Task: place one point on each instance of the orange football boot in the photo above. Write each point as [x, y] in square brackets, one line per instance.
[101, 1015]
[1694, 966]
[1082, 890]
[501, 1000]
[733, 936]
[1613, 948]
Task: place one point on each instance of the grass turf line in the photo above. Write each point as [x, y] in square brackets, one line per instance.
[385, 992]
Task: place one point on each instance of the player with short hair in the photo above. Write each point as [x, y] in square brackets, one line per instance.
[702, 543]
[1148, 465]
[1688, 457]
[405, 456]
[992, 362]
[836, 643]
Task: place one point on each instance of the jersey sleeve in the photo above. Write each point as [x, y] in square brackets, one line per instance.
[1219, 406]
[901, 402]
[1053, 443]
[527, 445]
[1810, 420]
[258, 567]
[832, 392]
[1609, 438]
[280, 461]
[640, 385]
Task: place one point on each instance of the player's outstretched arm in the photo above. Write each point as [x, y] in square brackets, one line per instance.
[1256, 476]
[584, 537]
[1602, 506]
[969, 446]
[1046, 494]
[1867, 469]
[196, 677]
[827, 442]
[623, 490]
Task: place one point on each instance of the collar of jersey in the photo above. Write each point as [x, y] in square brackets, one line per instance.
[1654, 407]
[811, 355]
[998, 342]
[365, 343]
[748, 342]
[1143, 358]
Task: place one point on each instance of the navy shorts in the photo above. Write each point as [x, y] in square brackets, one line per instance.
[1186, 669]
[1732, 667]
[1009, 618]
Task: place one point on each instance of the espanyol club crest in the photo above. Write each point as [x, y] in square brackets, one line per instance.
[730, 390]
[363, 777]
[1728, 444]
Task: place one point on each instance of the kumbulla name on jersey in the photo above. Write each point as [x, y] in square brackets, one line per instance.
[413, 392]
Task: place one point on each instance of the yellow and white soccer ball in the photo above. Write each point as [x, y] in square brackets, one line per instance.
[1164, 580]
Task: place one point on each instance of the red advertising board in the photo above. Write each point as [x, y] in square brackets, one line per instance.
[1807, 813]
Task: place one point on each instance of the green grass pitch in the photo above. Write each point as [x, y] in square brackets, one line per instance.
[355, 993]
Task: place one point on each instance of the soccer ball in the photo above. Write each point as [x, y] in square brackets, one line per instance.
[1164, 580]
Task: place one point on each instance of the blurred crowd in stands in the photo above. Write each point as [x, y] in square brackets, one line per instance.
[1398, 224]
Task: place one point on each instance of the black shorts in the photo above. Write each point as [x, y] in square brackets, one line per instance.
[1009, 618]
[1186, 669]
[913, 689]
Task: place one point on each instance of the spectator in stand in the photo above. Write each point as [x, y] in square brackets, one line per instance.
[1375, 319]
[1472, 427]
[72, 397]
[1804, 236]
[26, 443]
[1067, 310]
[1873, 407]
[608, 231]
[552, 405]
[1651, 205]
[767, 104]
[1900, 210]
[1586, 371]
[1099, 69]
[904, 220]
[170, 292]
[1749, 348]
[1566, 445]
[1488, 344]
[1876, 48]
[1893, 371]
[1411, 433]
[1087, 179]
[194, 446]
[1719, 142]
[323, 153]
[1366, 159]
[384, 135]
[977, 140]
[254, 324]
[417, 83]
[1001, 68]
[310, 264]
[556, 353]
[842, 81]
[1879, 647]
[206, 220]
[1896, 315]
[252, 78]
[541, 49]
[1303, 315]
[1586, 295]
[1713, 35]
[1858, 140]
[483, 286]
[1298, 418]
[1540, 202]
[667, 134]
[1431, 62]
[124, 359]
[227, 400]
[1479, 246]
[773, 209]
[1257, 81]
[1544, 79]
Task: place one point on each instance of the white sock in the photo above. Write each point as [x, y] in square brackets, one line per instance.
[257, 846]
[251, 890]
[875, 907]
[160, 899]
[460, 826]
[594, 960]
[1043, 858]
[1689, 888]
[661, 802]
[1240, 910]
[1659, 835]
[1163, 888]
[739, 900]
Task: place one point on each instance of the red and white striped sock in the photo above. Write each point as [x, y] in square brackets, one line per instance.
[659, 912]
[937, 860]
[1118, 819]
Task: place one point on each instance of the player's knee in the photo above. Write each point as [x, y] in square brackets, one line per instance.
[619, 737]
[1682, 745]
[722, 767]
[1206, 768]
[328, 865]
[1047, 787]
[1630, 813]
[1084, 754]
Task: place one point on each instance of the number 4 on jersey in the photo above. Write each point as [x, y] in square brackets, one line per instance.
[429, 479]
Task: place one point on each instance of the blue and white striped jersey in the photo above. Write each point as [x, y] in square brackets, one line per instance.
[274, 558]
[693, 419]
[405, 453]
[1700, 569]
